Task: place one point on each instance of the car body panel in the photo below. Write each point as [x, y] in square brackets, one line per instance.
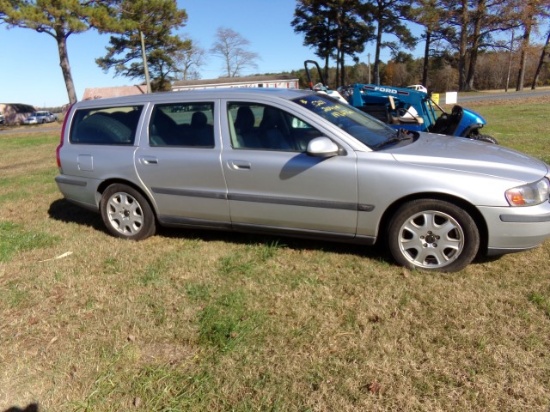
[292, 190]
[472, 157]
[185, 183]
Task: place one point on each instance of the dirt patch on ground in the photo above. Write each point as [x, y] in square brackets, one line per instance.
[30, 129]
[512, 100]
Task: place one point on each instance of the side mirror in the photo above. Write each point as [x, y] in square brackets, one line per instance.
[322, 147]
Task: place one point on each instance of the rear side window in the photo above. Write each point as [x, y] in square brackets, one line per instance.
[182, 124]
[107, 126]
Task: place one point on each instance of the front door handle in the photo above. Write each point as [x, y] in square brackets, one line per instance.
[240, 165]
[148, 160]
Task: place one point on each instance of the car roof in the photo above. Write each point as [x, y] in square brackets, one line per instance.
[190, 95]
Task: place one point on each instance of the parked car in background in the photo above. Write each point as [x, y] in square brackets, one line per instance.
[2, 120]
[40, 117]
[418, 88]
[299, 163]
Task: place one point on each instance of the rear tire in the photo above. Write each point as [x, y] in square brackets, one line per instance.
[433, 235]
[126, 213]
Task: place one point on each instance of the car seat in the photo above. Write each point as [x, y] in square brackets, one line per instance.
[244, 127]
[201, 132]
[270, 130]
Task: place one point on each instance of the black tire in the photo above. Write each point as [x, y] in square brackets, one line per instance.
[433, 235]
[485, 138]
[126, 213]
[99, 128]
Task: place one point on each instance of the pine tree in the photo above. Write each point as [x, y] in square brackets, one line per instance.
[143, 42]
[58, 19]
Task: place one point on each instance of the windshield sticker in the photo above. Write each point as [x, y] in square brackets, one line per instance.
[327, 108]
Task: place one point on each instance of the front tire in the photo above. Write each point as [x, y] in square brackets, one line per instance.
[126, 213]
[485, 138]
[433, 235]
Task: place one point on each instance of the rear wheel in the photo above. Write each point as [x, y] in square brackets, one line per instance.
[433, 235]
[126, 213]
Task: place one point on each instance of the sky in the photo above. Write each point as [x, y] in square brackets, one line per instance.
[29, 61]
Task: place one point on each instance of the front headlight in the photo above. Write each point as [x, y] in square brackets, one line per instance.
[530, 194]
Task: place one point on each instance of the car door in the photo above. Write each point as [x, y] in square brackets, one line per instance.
[274, 184]
[179, 162]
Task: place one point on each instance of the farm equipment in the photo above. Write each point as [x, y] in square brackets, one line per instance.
[406, 108]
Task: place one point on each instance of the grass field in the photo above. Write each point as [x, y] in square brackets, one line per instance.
[197, 321]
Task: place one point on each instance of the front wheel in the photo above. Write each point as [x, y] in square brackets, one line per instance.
[433, 235]
[484, 138]
[126, 213]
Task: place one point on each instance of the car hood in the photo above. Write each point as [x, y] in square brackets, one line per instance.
[458, 153]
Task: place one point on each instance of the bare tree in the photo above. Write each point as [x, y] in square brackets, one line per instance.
[531, 14]
[545, 51]
[190, 60]
[233, 49]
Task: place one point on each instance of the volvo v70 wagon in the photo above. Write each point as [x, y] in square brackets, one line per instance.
[297, 163]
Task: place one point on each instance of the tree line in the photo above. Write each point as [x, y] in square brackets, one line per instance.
[455, 32]
[495, 70]
[461, 38]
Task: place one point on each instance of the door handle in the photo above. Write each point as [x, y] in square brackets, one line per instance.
[240, 165]
[149, 160]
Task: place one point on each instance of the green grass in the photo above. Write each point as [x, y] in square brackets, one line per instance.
[15, 239]
[525, 128]
[195, 321]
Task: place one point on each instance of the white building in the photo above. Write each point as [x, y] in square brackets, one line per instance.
[268, 81]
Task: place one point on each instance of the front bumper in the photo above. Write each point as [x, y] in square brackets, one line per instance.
[513, 229]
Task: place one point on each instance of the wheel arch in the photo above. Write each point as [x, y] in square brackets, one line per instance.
[106, 183]
[463, 204]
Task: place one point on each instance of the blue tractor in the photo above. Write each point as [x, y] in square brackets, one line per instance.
[406, 108]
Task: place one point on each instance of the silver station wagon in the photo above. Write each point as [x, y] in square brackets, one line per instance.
[297, 163]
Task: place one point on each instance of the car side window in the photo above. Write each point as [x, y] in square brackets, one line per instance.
[108, 125]
[182, 124]
[262, 127]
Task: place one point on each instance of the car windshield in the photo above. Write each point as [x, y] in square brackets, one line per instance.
[364, 128]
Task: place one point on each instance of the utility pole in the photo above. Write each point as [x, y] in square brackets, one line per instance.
[145, 68]
[368, 66]
[510, 63]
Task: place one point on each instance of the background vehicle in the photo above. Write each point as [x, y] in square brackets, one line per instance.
[40, 117]
[406, 108]
[418, 87]
[409, 108]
